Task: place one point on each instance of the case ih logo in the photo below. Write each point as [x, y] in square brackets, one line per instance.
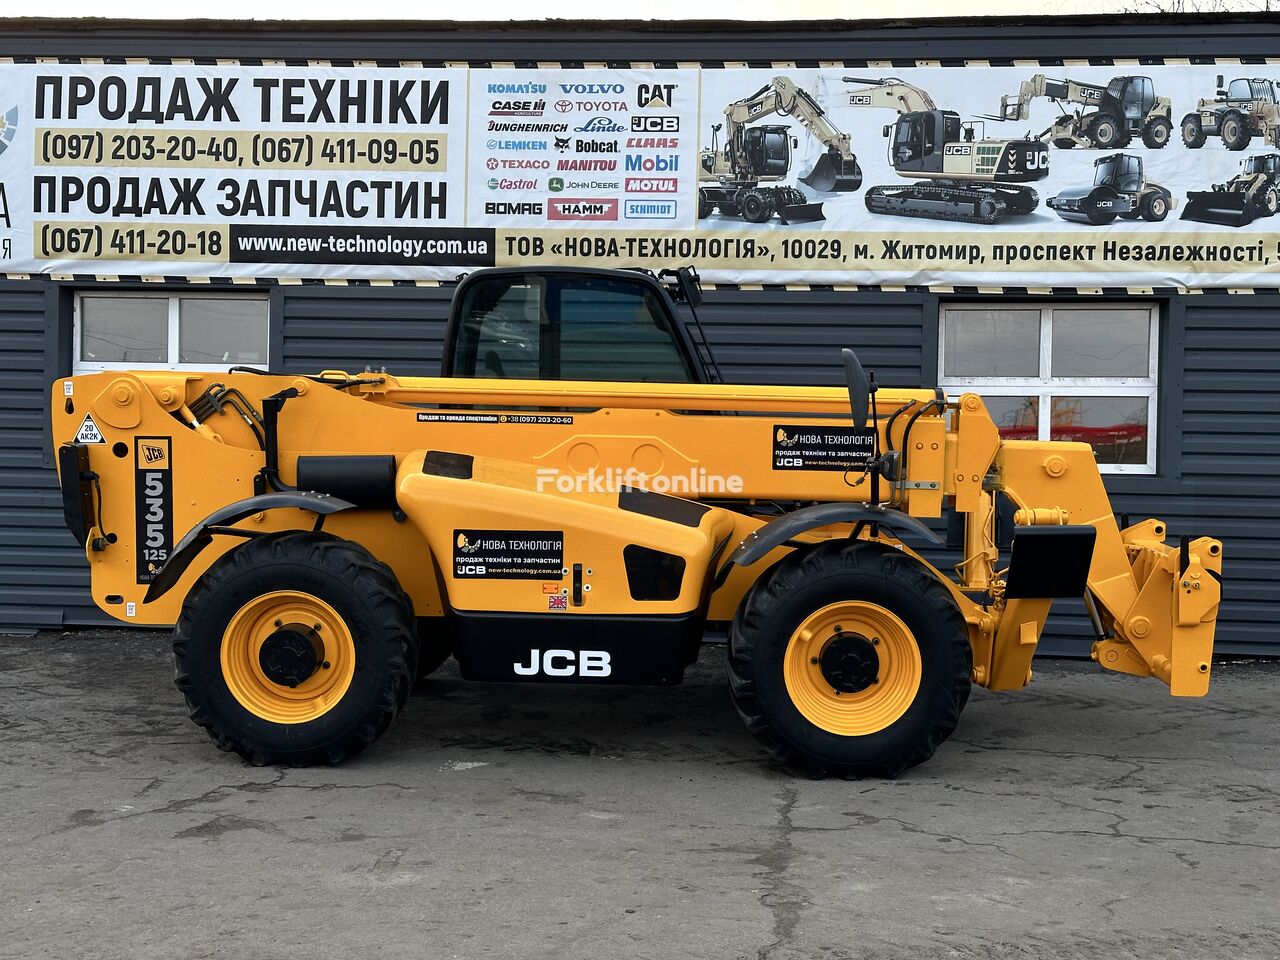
[570, 208]
[655, 123]
[517, 108]
[651, 185]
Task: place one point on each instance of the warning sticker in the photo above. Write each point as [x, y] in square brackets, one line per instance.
[508, 554]
[518, 419]
[89, 432]
[806, 447]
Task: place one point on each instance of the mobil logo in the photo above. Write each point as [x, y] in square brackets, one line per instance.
[662, 163]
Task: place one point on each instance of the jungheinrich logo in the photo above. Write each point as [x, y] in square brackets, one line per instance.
[8, 128]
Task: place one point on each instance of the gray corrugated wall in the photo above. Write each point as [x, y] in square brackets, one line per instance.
[1220, 482]
[44, 579]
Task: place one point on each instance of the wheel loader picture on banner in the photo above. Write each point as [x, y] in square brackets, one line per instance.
[735, 179]
[1252, 193]
[961, 178]
[1105, 117]
[1119, 190]
[1246, 109]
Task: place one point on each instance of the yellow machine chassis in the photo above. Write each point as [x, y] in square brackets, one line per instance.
[1156, 603]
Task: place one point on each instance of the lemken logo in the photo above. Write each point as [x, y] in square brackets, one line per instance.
[600, 125]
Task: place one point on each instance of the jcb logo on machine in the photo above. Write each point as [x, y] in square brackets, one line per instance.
[565, 663]
[859, 99]
[153, 506]
[1038, 160]
[957, 150]
[508, 554]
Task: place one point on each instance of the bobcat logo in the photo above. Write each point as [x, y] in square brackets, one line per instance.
[784, 440]
[465, 545]
[562, 143]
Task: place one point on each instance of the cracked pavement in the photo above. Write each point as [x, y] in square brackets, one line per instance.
[1091, 816]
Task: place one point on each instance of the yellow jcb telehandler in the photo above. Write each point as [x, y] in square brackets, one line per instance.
[576, 500]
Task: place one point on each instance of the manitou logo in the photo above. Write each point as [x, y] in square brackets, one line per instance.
[566, 208]
[565, 663]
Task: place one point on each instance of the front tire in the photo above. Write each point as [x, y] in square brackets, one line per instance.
[1192, 131]
[296, 648]
[849, 659]
[1105, 131]
[1157, 133]
[1235, 132]
[1155, 207]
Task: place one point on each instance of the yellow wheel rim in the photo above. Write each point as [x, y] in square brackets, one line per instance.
[891, 672]
[266, 619]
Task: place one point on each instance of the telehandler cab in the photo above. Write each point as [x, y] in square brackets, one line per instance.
[572, 501]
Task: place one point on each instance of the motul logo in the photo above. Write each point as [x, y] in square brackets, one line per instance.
[567, 208]
[651, 185]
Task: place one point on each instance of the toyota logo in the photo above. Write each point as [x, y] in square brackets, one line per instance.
[564, 106]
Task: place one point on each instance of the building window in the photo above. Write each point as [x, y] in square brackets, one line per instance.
[1060, 372]
[170, 331]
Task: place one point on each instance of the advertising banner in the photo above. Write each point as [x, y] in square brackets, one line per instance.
[1088, 176]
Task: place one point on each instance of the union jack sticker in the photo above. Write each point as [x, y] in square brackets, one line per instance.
[558, 602]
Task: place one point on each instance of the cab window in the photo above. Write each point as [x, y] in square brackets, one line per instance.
[549, 327]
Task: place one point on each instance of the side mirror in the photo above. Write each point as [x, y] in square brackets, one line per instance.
[690, 285]
[859, 388]
[1220, 83]
[884, 131]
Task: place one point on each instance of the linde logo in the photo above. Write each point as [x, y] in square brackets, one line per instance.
[669, 163]
[504, 183]
[651, 185]
[518, 88]
[517, 108]
[655, 123]
[493, 163]
[650, 210]
[578, 208]
[514, 145]
[602, 125]
[499, 208]
[655, 96]
[653, 143]
[598, 166]
[585, 89]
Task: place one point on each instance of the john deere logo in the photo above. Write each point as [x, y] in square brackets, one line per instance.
[555, 184]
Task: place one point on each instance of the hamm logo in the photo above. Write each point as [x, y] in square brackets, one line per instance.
[569, 208]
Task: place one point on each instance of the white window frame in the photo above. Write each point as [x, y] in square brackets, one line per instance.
[175, 298]
[1045, 386]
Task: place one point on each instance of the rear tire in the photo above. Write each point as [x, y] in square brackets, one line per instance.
[755, 206]
[1155, 207]
[1235, 132]
[296, 648]
[784, 661]
[1192, 132]
[705, 207]
[1157, 133]
[1268, 201]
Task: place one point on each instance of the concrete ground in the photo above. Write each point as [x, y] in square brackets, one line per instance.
[1092, 816]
